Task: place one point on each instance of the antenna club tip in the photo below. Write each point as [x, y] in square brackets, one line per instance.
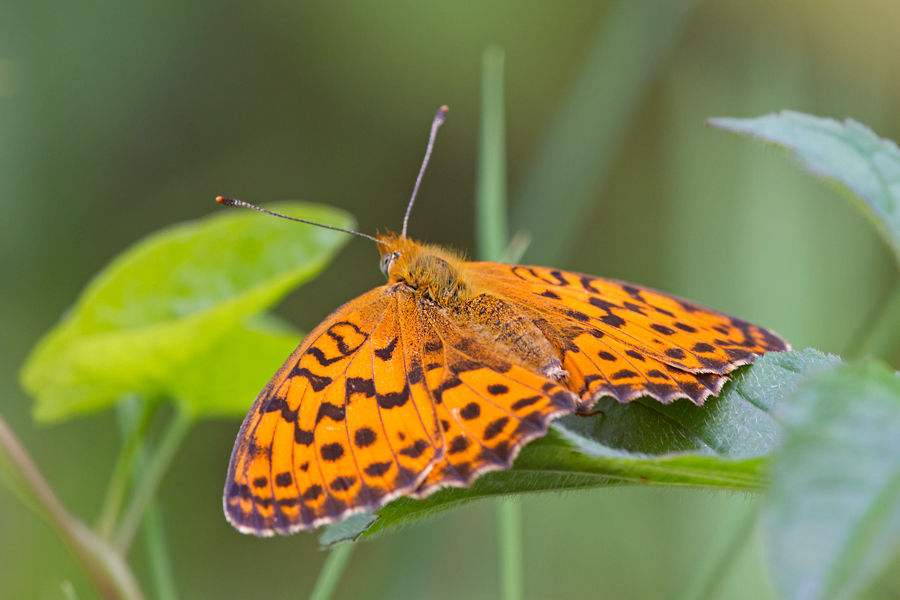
[225, 200]
[441, 113]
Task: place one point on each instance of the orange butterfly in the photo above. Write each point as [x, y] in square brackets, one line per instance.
[445, 372]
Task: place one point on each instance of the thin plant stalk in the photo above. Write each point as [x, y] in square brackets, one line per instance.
[493, 244]
[120, 481]
[490, 193]
[567, 173]
[134, 417]
[331, 571]
[509, 529]
[883, 333]
[709, 573]
[145, 491]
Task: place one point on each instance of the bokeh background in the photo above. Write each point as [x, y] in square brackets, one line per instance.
[117, 119]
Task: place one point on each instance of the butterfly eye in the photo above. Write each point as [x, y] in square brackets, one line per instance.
[386, 261]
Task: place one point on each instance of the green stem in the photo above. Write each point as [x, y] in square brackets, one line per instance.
[150, 480]
[332, 570]
[106, 568]
[122, 472]
[158, 554]
[493, 244]
[134, 418]
[708, 573]
[563, 181]
[509, 529]
[883, 334]
[490, 193]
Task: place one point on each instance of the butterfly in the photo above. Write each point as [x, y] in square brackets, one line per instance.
[447, 370]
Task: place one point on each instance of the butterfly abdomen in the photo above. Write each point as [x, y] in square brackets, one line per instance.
[507, 327]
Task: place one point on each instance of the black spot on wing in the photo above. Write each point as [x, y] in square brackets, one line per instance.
[332, 452]
[342, 484]
[390, 400]
[525, 402]
[495, 427]
[364, 437]
[303, 437]
[624, 374]
[470, 411]
[321, 358]
[359, 385]
[387, 352]
[317, 382]
[277, 404]
[415, 375]
[613, 320]
[458, 444]
[635, 355]
[378, 469]
[332, 411]
[416, 449]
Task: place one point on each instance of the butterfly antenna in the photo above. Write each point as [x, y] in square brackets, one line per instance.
[438, 121]
[232, 202]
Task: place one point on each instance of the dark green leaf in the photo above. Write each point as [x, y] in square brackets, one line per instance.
[832, 516]
[722, 445]
[153, 318]
[848, 154]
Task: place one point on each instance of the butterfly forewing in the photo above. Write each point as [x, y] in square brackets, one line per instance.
[323, 439]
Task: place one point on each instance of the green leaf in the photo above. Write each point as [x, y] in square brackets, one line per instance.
[832, 516]
[847, 154]
[721, 445]
[232, 373]
[167, 312]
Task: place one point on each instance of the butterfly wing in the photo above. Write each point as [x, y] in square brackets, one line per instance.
[345, 425]
[386, 397]
[627, 341]
[487, 403]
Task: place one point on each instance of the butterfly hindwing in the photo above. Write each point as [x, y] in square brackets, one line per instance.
[627, 341]
[487, 403]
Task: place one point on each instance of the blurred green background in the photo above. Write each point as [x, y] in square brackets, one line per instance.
[118, 119]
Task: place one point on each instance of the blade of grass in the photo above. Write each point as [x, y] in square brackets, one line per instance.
[577, 157]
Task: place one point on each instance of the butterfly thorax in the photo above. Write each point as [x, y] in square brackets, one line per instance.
[430, 271]
[440, 276]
